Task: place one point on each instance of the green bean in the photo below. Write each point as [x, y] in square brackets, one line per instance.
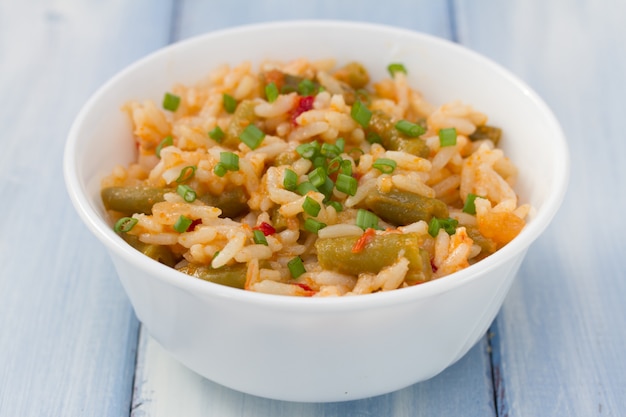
[354, 74]
[487, 132]
[487, 245]
[392, 139]
[243, 116]
[162, 254]
[382, 250]
[233, 202]
[402, 207]
[230, 275]
[131, 200]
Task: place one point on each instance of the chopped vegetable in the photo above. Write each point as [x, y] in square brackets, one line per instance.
[392, 139]
[412, 130]
[361, 114]
[296, 267]
[447, 137]
[167, 141]
[186, 174]
[252, 136]
[125, 224]
[271, 92]
[487, 132]
[317, 177]
[304, 187]
[394, 68]
[385, 165]
[186, 192]
[182, 224]
[366, 219]
[311, 207]
[229, 103]
[313, 226]
[134, 199]
[171, 102]
[403, 208]
[259, 237]
[229, 275]
[470, 206]
[436, 224]
[346, 184]
[217, 134]
[290, 180]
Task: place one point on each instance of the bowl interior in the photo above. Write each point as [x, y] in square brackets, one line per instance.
[101, 135]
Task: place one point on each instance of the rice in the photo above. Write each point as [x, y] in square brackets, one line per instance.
[288, 194]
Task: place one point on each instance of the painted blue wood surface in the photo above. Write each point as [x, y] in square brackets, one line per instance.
[68, 336]
[67, 332]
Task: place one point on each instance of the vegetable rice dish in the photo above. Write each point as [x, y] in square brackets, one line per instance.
[308, 178]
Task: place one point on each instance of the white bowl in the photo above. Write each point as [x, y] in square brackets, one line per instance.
[314, 349]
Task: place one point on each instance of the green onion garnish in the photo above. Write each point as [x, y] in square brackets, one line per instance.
[340, 143]
[470, 205]
[296, 267]
[448, 225]
[412, 130]
[385, 165]
[186, 174]
[373, 137]
[259, 237]
[327, 188]
[308, 150]
[317, 177]
[252, 136]
[186, 192]
[366, 219]
[125, 224]
[447, 137]
[361, 114]
[319, 161]
[290, 180]
[346, 167]
[306, 87]
[182, 224]
[313, 226]
[346, 184]
[167, 141]
[271, 92]
[171, 102]
[330, 150]
[334, 164]
[337, 205]
[311, 207]
[230, 160]
[219, 169]
[304, 187]
[395, 67]
[217, 134]
[229, 102]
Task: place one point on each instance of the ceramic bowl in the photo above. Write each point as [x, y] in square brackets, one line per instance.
[314, 349]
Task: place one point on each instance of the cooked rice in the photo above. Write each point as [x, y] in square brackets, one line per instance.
[472, 167]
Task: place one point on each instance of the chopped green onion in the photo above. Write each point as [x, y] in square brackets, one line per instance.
[308, 150]
[171, 102]
[304, 187]
[470, 203]
[361, 114]
[355, 153]
[186, 192]
[412, 130]
[167, 141]
[436, 224]
[319, 162]
[384, 165]
[366, 219]
[346, 167]
[296, 267]
[252, 136]
[271, 92]
[306, 87]
[125, 224]
[186, 174]
[259, 237]
[229, 102]
[346, 184]
[327, 188]
[330, 150]
[317, 177]
[447, 137]
[336, 205]
[340, 143]
[230, 160]
[182, 224]
[313, 226]
[311, 207]
[217, 134]
[290, 180]
[373, 137]
[219, 169]
[334, 164]
[395, 67]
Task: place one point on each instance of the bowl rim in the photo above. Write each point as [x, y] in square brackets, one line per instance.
[99, 227]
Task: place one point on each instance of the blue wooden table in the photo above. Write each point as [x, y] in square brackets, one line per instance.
[70, 344]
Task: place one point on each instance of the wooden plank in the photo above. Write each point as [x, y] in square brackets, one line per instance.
[163, 387]
[68, 334]
[559, 344]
